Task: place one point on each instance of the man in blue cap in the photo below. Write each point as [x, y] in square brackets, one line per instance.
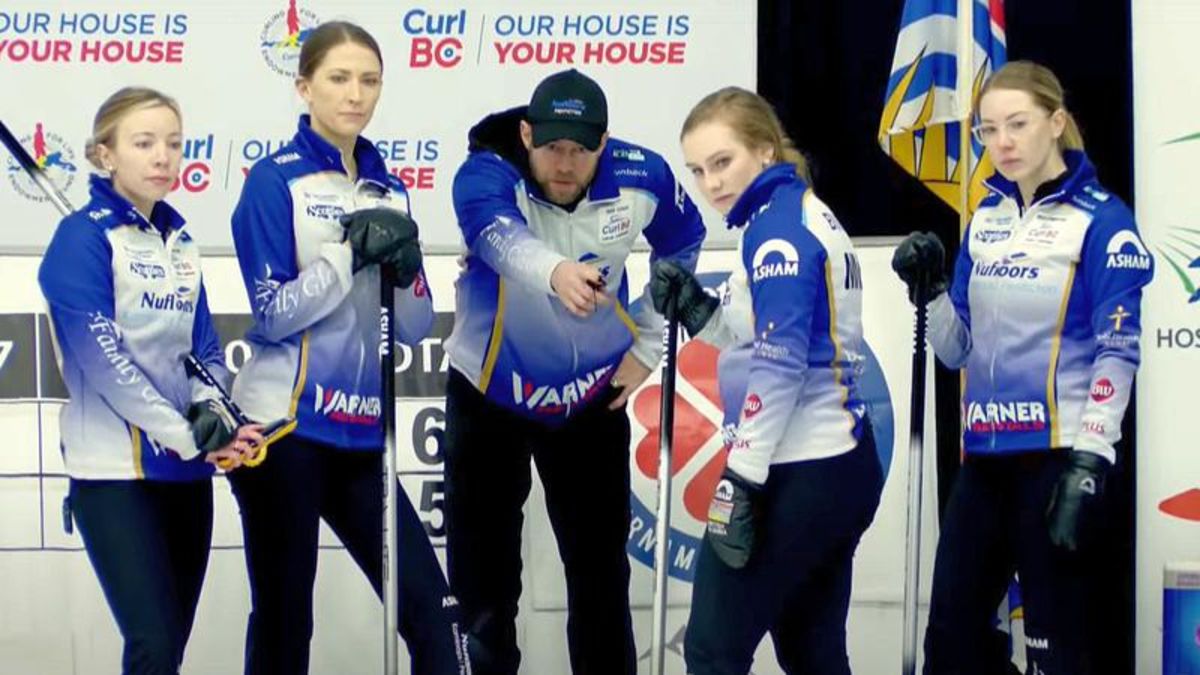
[544, 354]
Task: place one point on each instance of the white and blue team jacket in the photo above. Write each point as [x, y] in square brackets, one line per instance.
[790, 329]
[1044, 312]
[127, 305]
[315, 337]
[512, 337]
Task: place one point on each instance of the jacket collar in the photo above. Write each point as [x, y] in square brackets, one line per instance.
[1079, 173]
[162, 218]
[324, 153]
[760, 191]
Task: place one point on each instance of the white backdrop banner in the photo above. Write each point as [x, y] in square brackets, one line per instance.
[1166, 64]
[446, 65]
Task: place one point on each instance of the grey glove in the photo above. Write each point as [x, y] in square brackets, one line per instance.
[378, 234]
[213, 426]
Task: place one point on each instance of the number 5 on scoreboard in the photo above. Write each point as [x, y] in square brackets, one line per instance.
[433, 497]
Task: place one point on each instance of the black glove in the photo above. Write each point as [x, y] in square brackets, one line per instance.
[921, 257]
[678, 295]
[213, 426]
[375, 235]
[732, 519]
[1075, 499]
[406, 263]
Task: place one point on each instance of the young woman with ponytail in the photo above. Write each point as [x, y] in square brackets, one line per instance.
[802, 480]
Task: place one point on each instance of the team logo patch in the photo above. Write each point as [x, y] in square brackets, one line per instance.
[617, 227]
[775, 258]
[147, 270]
[545, 399]
[1103, 390]
[992, 236]
[340, 406]
[1118, 318]
[631, 154]
[1125, 252]
[1005, 416]
[753, 406]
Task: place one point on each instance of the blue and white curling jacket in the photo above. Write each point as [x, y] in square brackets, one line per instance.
[127, 305]
[315, 337]
[790, 328]
[1044, 312]
[512, 337]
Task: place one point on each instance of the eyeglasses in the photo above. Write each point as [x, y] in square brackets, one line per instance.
[1014, 128]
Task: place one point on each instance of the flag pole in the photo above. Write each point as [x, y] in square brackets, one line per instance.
[964, 88]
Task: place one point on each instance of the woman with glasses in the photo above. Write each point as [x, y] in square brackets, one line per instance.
[1044, 314]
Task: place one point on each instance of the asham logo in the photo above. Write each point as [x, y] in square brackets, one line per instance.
[775, 258]
[339, 406]
[1125, 252]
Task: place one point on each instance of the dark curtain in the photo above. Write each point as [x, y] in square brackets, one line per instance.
[824, 64]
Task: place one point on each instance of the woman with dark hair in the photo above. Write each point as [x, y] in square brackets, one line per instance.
[802, 480]
[315, 222]
[140, 438]
[1044, 315]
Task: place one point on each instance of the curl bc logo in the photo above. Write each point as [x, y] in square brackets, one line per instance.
[698, 449]
[55, 158]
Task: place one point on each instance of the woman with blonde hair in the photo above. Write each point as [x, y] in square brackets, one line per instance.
[140, 438]
[1044, 315]
[803, 479]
